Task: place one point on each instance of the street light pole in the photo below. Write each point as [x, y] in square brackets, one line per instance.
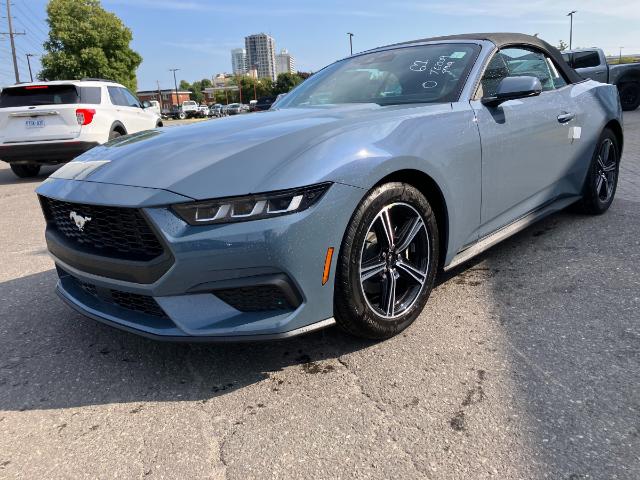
[175, 83]
[570, 14]
[28, 55]
[350, 42]
[620, 57]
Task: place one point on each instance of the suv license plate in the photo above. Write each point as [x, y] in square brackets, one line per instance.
[34, 123]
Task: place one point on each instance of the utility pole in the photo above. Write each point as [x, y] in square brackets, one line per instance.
[160, 96]
[12, 34]
[620, 57]
[28, 55]
[350, 42]
[175, 83]
[570, 14]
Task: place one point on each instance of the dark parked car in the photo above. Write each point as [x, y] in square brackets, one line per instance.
[592, 63]
[265, 103]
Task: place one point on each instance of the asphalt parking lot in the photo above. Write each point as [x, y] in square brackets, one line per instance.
[524, 365]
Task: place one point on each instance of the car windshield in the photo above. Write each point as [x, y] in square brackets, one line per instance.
[422, 74]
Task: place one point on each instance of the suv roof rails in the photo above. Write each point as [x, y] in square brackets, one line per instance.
[87, 79]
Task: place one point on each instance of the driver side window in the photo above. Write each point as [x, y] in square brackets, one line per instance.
[517, 62]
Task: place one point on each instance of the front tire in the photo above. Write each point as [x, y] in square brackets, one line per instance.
[602, 178]
[23, 170]
[387, 262]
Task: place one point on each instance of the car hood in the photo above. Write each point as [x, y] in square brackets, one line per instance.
[218, 158]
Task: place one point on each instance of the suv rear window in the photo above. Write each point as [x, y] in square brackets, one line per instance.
[33, 95]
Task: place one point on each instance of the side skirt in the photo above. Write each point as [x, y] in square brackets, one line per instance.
[508, 230]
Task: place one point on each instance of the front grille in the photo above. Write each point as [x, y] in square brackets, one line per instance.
[114, 232]
[130, 301]
[255, 298]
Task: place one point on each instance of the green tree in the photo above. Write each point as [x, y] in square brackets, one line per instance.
[87, 41]
[285, 82]
[196, 92]
[562, 45]
[184, 85]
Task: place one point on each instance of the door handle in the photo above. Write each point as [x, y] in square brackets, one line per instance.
[566, 117]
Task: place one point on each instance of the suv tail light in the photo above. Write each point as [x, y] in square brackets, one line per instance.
[85, 115]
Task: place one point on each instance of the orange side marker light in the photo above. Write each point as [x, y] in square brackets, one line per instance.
[327, 265]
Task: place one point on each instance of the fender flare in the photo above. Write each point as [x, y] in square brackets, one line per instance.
[118, 124]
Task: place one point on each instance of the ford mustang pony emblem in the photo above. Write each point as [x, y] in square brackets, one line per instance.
[79, 220]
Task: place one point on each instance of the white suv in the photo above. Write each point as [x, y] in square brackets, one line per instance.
[53, 122]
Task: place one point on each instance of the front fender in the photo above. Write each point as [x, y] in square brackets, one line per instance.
[442, 141]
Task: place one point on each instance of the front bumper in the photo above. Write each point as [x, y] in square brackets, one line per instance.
[44, 153]
[208, 260]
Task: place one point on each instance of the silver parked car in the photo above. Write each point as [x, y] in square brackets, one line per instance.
[234, 108]
[342, 203]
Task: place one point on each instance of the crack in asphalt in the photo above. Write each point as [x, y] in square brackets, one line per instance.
[203, 418]
[384, 416]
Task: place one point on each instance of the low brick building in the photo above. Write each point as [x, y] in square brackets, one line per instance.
[166, 97]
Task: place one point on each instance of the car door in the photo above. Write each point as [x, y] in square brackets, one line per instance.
[526, 148]
[144, 120]
[124, 113]
[140, 118]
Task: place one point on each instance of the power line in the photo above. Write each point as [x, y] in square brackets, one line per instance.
[12, 36]
[30, 34]
[33, 15]
[30, 16]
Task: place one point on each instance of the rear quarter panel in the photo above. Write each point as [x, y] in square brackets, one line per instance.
[596, 105]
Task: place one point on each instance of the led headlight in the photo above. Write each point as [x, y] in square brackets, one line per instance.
[250, 207]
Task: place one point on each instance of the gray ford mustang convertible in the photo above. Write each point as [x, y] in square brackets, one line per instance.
[341, 203]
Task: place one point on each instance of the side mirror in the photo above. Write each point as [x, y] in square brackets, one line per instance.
[511, 88]
[146, 104]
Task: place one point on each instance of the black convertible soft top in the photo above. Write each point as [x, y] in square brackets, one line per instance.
[501, 40]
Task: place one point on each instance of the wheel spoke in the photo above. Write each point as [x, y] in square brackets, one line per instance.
[371, 269]
[388, 297]
[599, 184]
[385, 220]
[604, 152]
[609, 186]
[411, 271]
[409, 232]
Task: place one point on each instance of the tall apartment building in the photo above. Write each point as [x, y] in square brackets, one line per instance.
[285, 63]
[261, 54]
[238, 61]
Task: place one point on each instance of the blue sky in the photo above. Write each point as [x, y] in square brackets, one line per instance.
[196, 35]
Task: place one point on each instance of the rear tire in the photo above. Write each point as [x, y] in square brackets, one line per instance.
[602, 178]
[114, 134]
[383, 281]
[629, 96]
[23, 170]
